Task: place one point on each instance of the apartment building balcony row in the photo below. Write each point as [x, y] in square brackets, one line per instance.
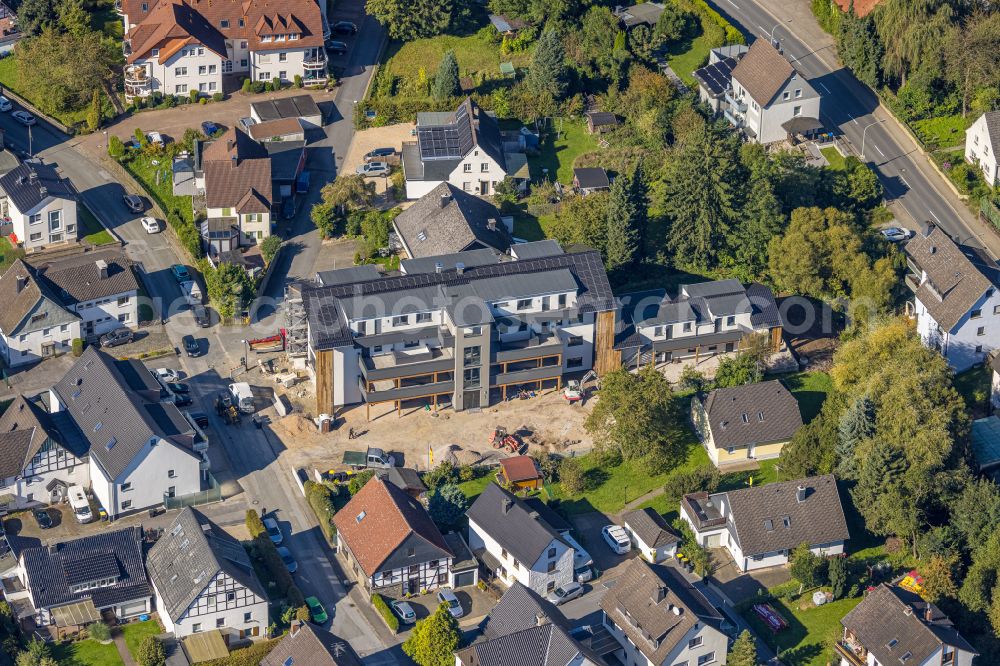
[138, 82]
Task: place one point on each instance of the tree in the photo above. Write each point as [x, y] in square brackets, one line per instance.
[36, 654]
[255, 526]
[761, 220]
[35, 15]
[406, 20]
[324, 216]
[837, 574]
[859, 47]
[626, 215]
[571, 476]
[446, 83]
[738, 370]
[744, 652]
[434, 639]
[73, 18]
[645, 42]
[857, 187]
[269, 248]
[970, 51]
[812, 449]
[151, 652]
[505, 195]
[359, 480]
[447, 505]
[857, 424]
[939, 582]
[228, 286]
[115, 147]
[583, 220]
[975, 513]
[806, 566]
[348, 192]
[547, 74]
[50, 64]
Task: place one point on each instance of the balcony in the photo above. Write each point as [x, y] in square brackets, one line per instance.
[399, 364]
[734, 103]
[138, 83]
[852, 654]
[315, 61]
[734, 120]
[526, 376]
[534, 347]
[407, 392]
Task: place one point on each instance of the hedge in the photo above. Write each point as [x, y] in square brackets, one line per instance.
[320, 497]
[248, 656]
[701, 8]
[383, 609]
[268, 554]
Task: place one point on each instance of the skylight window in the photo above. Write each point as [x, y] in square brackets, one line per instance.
[111, 443]
[360, 517]
[769, 525]
[98, 426]
[891, 644]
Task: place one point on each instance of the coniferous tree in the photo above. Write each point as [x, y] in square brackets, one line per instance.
[624, 216]
[744, 652]
[547, 73]
[856, 424]
[446, 82]
[837, 573]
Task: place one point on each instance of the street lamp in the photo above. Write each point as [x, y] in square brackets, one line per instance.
[770, 35]
[864, 135]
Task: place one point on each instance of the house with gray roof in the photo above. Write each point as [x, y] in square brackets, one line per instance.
[142, 449]
[41, 455]
[982, 143]
[464, 148]
[955, 298]
[73, 582]
[892, 625]
[525, 629]
[34, 323]
[203, 580]
[658, 618]
[516, 544]
[745, 423]
[761, 525]
[650, 535]
[308, 645]
[40, 204]
[448, 220]
[701, 320]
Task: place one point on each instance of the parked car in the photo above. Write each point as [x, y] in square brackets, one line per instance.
[246, 123]
[316, 611]
[302, 182]
[336, 47]
[616, 538]
[156, 139]
[373, 169]
[200, 419]
[286, 557]
[564, 593]
[151, 225]
[191, 346]
[24, 118]
[344, 28]
[895, 234]
[209, 128]
[377, 154]
[179, 387]
[182, 400]
[133, 202]
[167, 374]
[405, 611]
[273, 531]
[448, 597]
[583, 574]
[181, 273]
[5, 104]
[43, 518]
[118, 336]
[201, 316]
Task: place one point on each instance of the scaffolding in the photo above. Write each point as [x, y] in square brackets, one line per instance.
[297, 341]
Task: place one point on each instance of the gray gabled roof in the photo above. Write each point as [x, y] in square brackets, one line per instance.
[763, 71]
[23, 294]
[308, 645]
[29, 184]
[116, 405]
[650, 526]
[448, 220]
[77, 278]
[512, 524]
[535, 249]
[758, 413]
[189, 555]
[24, 429]
[297, 106]
[993, 130]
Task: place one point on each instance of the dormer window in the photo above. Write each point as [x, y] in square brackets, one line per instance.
[293, 37]
[745, 417]
[265, 39]
[154, 53]
[224, 23]
[145, 7]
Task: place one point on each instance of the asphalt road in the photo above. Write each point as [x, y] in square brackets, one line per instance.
[911, 185]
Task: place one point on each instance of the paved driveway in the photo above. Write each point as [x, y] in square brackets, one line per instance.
[588, 528]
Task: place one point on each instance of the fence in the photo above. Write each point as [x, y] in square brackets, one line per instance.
[989, 212]
[213, 494]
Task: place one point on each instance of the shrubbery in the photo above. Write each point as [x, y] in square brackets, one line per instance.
[320, 497]
[383, 609]
[248, 656]
[681, 483]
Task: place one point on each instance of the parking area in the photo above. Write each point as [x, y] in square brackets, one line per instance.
[588, 527]
[390, 136]
[475, 603]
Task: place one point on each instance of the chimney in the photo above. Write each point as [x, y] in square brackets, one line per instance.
[540, 620]
[491, 224]
[507, 504]
[800, 494]
[438, 267]
[659, 594]
[22, 281]
[294, 627]
[53, 548]
[102, 269]
[445, 198]
[32, 177]
[233, 161]
[460, 268]
[926, 228]
[933, 250]
[929, 613]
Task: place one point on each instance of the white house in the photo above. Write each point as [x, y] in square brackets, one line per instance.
[982, 141]
[761, 525]
[892, 625]
[203, 580]
[34, 324]
[516, 543]
[39, 205]
[176, 48]
[956, 304]
[142, 450]
[764, 97]
[464, 148]
[660, 619]
[650, 535]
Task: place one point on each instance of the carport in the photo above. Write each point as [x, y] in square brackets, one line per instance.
[75, 615]
[205, 646]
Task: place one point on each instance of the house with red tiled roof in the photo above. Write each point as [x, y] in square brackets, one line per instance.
[175, 47]
[389, 543]
[861, 7]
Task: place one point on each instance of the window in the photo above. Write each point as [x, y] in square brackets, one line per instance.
[746, 417]
[180, 71]
[562, 300]
[293, 37]
[574, 363]
[471, 377]
[551, 567]
[467, 168]
[247, 617]
[123, 318]
[220, 622]
[283, 75]
[202, 70]
[785, 95]
[552, 552]
[466, 186]
[263, 76]
[979, 349]
[769, 526]
[37, 236]
[181, 88]
[230, 596]
[423, 317]
[796, 111]
[730, 321]
[282, 57]
[798, 93]
[574, 341]
[517, 565]
[484, 167]
[473, 331]
[35, 219]
[224, 23]
[211, 69]
[127, 504]
[171, 474]
[706, 659]
[786, 521]
[981, 330]
[551, 586]
[524, 304]
[976, 314]
[503, 553]
[196, 627]
[401, 320]
[201, 51]
[473, 356]
[686, 327]
[127, 486]
[203, 87]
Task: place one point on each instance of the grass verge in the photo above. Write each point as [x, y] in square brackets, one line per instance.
[86, 653]
[135, 632]
[833, 156]
[94, 231]
[8, 253]
[812, 630]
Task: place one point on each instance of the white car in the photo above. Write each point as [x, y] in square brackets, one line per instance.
[405, 611]
[273, 531]
[373, 169]
[151, 225]
[23, 117]
[155, 138]
[448, 597]
[5, 104]
[167, 374]
[564, 593]
[895, 234]
[616, 539]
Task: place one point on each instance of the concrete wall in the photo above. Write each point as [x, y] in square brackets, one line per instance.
[109, 313]
[149, 477]
[963, 346]
[41, 233]
[481, 167]
[27, 347]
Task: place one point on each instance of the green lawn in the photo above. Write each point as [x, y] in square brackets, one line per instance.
[811, 631]
[10, 80]
[942, 132]
[668, 507]
[104, 18]
[566, 140]
[86, 653]
[8, 253]
[688, 57]
[134, 632]
[974, 385]
[94, 231]
[810, 389]
[157, 179]
[834, 157]
[472, 489]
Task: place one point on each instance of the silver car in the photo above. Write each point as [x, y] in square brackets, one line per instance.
[564, 593]
[373, 169]
[405, 611]
[454, 607]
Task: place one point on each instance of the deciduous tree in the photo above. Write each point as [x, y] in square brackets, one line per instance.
[434, 639]
[151, 652]
[806, 566]
[412, 19]
[447, 505]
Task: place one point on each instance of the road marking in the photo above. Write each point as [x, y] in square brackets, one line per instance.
[905, 183]
[853, 119]
[934, 216]
[733, 4]
[879, 150]
[825, 88]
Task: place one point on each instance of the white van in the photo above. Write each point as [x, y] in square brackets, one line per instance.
[79, 503]
[242, 396]
[192, 292]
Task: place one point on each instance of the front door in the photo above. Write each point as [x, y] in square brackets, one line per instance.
[413, 586]
[471, 399]
[484, 187]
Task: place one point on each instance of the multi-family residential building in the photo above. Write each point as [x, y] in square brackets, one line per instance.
[982, 141]
[745, 423]
[956, 304]
[33, 323]
[702, 320]
[761, 94]
[659, 619]
[74, 582]
[41, 455]
[516, 544]
[176, 47]
[204, 581]
[142, 449]
[892, 625]
[37, 206]
[464, 148]
[761, 525]
[463, 328]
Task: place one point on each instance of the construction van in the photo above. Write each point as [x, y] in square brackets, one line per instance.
[242, 396]
[80, 504]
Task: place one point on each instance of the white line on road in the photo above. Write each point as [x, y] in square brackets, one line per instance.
[934, 216]
[905, 183]
[878, 149]
[733, 4]
[824, 88]
[853, 119]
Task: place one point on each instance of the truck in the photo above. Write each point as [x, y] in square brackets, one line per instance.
[371, 459]
[242, 396]
[192, 292]
[269, 344]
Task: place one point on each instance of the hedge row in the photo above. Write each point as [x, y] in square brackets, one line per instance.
[268, 553]
[320, 498]
[701, 8]
[391, 621]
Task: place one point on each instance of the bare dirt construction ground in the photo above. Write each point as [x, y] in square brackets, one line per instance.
[545, 422]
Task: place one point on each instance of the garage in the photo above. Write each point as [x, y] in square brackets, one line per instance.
[464, 567]
[465, 578]
[301, 107]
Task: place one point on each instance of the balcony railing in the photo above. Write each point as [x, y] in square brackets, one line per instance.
[534, 347]
[315, 62]
[733, 119]
[741, 107]
[403, 364]
[851, 654]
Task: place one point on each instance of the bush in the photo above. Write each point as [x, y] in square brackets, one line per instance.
[203, 100]
[248, 656]
[383, 609]
[246, 86]
[571, 476]
[255, 526]
[77, 347]
[467, 473]
[269, 249]
[681, 483]
[444, 473]
[151, 652]
[194, 95]
[99, 631]
[268, 87]
[267, 553]
[218, 97]
[276, 83]
[359, 480]
[115, 147]
[297, 81]
[320, 498]
[548, 464]
[259, 86]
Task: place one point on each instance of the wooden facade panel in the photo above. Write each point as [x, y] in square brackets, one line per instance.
[606, 358]
[324, 382]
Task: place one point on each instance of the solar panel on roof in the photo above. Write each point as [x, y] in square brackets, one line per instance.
[718, 76]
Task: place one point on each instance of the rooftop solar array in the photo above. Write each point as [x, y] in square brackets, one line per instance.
[96, 566]
[718, 76]
[447, 142]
